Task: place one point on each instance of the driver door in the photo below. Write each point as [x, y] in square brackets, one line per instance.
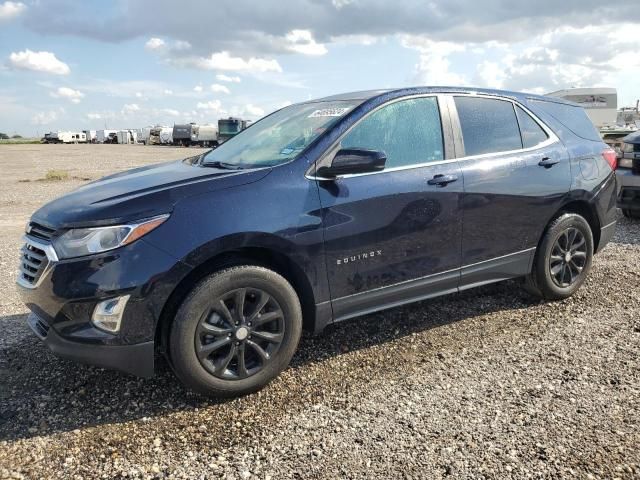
[393, 236]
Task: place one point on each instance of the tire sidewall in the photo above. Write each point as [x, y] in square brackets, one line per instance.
[544, 280]
[182, 334]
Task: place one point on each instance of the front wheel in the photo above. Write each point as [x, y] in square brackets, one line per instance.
[235, 332]
[563, 258]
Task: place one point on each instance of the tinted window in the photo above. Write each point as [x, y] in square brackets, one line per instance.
[488, 125]
[532, 133]
[408, 131]
[572, 117]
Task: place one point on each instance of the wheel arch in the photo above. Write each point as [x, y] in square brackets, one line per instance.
[251, 255]
[586, 210]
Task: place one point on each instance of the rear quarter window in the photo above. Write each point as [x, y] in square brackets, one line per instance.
[572, 117]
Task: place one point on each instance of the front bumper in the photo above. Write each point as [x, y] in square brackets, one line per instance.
[64, 297]
[136, 359]
[629, 185]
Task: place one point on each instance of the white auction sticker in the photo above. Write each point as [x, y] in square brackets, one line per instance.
[329, 112]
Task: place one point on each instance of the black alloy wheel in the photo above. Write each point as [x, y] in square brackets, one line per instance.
[239, 335]
[568, 257]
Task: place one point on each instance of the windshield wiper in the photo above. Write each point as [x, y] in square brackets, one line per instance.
[223, 165]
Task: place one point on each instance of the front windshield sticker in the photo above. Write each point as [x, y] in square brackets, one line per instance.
[329, 112]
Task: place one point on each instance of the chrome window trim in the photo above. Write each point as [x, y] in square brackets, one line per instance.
[442, 98]
[52, 259]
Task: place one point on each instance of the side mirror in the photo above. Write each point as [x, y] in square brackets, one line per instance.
[354, 160]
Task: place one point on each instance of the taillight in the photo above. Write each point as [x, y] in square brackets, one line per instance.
[610, 156]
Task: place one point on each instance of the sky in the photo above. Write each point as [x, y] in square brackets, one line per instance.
[69, 65]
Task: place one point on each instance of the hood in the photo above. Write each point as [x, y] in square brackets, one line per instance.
[139, 193]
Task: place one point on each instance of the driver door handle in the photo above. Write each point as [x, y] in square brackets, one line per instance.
[441, 180]
[547, 162]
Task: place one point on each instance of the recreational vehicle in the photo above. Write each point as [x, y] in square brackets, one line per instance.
[182, 134]
[204, 135]
[601, 104]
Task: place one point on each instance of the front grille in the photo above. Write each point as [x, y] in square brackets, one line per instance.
[40, 231]
[635, 165]
[33, 262]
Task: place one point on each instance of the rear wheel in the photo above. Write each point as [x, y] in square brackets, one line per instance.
[235, 331]
[563, 258]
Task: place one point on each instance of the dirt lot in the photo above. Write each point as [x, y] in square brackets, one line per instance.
[485, 384]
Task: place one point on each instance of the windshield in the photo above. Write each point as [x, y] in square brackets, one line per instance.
[280, 137]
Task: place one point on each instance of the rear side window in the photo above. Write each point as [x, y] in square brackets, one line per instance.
[572, 117]
[532, 133]
[488, 125]
[408, 131]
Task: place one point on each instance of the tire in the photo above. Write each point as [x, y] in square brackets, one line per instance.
[557, 275]
[203, 320]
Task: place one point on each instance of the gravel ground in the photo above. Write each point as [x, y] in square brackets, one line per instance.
[485, 384]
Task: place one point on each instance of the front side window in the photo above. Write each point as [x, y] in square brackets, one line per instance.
[488, 125]
[532, 133]
[408, 132]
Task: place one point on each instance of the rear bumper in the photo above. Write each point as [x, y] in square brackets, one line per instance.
[136, 359]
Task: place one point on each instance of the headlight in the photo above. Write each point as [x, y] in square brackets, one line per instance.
[86, 241]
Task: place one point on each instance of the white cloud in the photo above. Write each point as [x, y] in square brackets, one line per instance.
[38, 62]
[433, 65]
[302, 41]
[221, 77]
[224, 61]
[213, 106]
[44, 118]
[170, 111]
[197, 88]
[154, 43]
[217, 88]
[9, 10]
[253, 110]
[167, 91]
[94, 116]
[74, 96]
[130, 108]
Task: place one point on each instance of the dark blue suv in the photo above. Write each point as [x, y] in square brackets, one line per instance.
[320, 212]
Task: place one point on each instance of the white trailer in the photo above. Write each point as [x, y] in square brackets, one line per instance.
[204, 135]
[68, 137]
[103, 136]
[91, 136]
[166, 135]
[143, 134]
[127, 137]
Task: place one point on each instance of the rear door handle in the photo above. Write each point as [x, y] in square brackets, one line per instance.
[442, 180]
[547, 162]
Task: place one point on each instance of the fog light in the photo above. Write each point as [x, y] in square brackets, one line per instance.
[108, 314]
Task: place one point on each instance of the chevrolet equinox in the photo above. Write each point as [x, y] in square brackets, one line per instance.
[320, 212]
